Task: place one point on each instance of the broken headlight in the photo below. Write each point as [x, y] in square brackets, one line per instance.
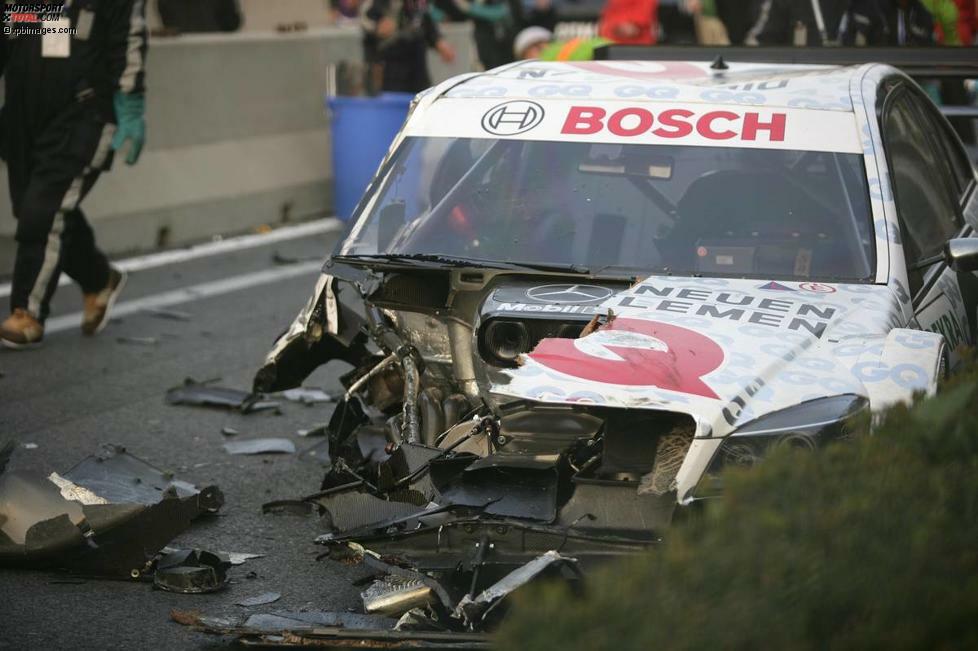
[805, 426]
[506, 340]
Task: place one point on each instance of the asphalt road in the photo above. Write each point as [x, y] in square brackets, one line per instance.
[75, 394]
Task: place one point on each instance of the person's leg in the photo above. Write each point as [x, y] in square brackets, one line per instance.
[66, 159]
[80, 257]
[88, 266]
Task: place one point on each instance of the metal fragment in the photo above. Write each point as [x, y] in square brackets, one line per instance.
[260, 446]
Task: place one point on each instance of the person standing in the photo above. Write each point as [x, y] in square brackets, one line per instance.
[74, 94]
[397, 34]
[888, 22]
[798, 22]
[630, 22]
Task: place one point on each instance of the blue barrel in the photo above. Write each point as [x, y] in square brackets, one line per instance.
[362, 131]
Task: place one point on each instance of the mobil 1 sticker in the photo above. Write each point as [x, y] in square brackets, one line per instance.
[555, 298]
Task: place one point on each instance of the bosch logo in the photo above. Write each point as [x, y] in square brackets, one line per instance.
[512, 118]
[569, 294]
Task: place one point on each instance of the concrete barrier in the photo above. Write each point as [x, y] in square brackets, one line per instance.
[238, 137]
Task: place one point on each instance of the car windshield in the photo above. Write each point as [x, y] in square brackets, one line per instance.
[617, 209]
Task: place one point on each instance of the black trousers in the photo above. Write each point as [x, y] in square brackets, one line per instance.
[50, 172]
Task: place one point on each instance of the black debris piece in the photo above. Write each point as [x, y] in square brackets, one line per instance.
[260, 446]
[513, 485]
[299, 508]
[280, 258]
[117, 476]
[107, 516]
[353, 509]
[235, 558]
[205, 395]
[260, 600]
[171, 315]
[192, 571]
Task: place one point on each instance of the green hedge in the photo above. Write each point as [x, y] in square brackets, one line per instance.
[871, 543]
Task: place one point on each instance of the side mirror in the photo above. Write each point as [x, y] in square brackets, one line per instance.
[961, 254]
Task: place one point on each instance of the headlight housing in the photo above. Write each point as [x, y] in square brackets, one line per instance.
[505, 341]
[805, 426]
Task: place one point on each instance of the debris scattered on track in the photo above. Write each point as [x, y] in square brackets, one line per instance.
[330, 629]
[282, 259]
[307, 396]
[169, 314]
[206, 395]
[260, 600]
[107, 516]
[192, 571]
[314, 431]
[235, 558]
[260, 446]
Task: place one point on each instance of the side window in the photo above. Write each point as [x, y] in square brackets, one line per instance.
[928, 212]
[955, 157]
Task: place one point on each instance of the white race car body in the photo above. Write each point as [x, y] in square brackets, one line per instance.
[741, 337]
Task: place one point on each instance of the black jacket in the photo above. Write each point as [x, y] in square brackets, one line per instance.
[404, 54]
[777, 20]
[885, 22]
[107, 54]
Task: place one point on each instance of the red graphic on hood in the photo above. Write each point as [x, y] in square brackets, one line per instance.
[687, 357]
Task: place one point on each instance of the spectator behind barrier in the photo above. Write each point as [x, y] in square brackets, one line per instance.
[538, 43]
[800, 22]
[396, 37]
[632, 22]
[887, 22]
[344, 11]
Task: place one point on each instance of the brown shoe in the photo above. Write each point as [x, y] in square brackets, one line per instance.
[21, 330]
[98, 305]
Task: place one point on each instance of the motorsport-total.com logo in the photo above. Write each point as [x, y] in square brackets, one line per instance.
[27, 17]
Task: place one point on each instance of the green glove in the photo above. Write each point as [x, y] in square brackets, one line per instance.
[129, 110]
[489, 13]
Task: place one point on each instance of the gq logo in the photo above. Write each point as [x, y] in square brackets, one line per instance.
[512, 118]
[635, 352]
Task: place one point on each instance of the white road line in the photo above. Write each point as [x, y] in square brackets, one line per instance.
[192, 293]
[243, 242]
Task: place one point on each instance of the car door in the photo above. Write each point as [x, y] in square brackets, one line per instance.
[928, 196]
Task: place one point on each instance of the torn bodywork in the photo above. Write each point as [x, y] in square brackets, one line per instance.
[109, 515]
[504, 422]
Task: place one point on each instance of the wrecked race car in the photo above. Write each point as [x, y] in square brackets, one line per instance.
[575, 292]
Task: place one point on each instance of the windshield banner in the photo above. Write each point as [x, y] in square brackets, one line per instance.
[654, 123]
